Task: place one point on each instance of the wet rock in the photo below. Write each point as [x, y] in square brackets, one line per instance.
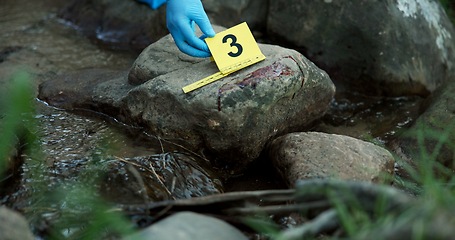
[235, 116]
[118, 24]
[436, 129]
[129, 24]
[124, 167]
[6, 51]
[188, 225]
[383, 47]
[231, 13]
[75, 89]
[232, 118]
[157, 177]
[14, 226]
[319, 155]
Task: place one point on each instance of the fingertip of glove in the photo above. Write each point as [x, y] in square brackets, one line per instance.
[211, 33]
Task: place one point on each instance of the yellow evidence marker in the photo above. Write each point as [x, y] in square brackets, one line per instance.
[232, 50]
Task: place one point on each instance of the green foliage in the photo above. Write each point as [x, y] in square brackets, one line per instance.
[432, 184]
[88, 216]
[432, 173]
[430, 181]
[264, 226]
[16, 108]
[78, 212]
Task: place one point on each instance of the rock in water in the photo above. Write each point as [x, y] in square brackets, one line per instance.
[320, 155]
[189, 225]
[232, 118]
[383, 47]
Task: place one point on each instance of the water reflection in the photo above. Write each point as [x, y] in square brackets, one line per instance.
[370, 118]
[123, 163]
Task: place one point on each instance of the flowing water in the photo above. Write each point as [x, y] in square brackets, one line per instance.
[33, 38]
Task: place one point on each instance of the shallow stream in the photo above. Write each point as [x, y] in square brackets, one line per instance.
[33, 38]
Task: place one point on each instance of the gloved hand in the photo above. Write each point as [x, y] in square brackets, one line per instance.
[154, 4]
[180, 17]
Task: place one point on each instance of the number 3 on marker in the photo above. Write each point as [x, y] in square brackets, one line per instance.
[234, 49]
[233, 44]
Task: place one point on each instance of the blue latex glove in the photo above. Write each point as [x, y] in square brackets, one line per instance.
[154, 4]
[181, 16]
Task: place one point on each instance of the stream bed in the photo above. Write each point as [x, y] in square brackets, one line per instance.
[35, 39]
